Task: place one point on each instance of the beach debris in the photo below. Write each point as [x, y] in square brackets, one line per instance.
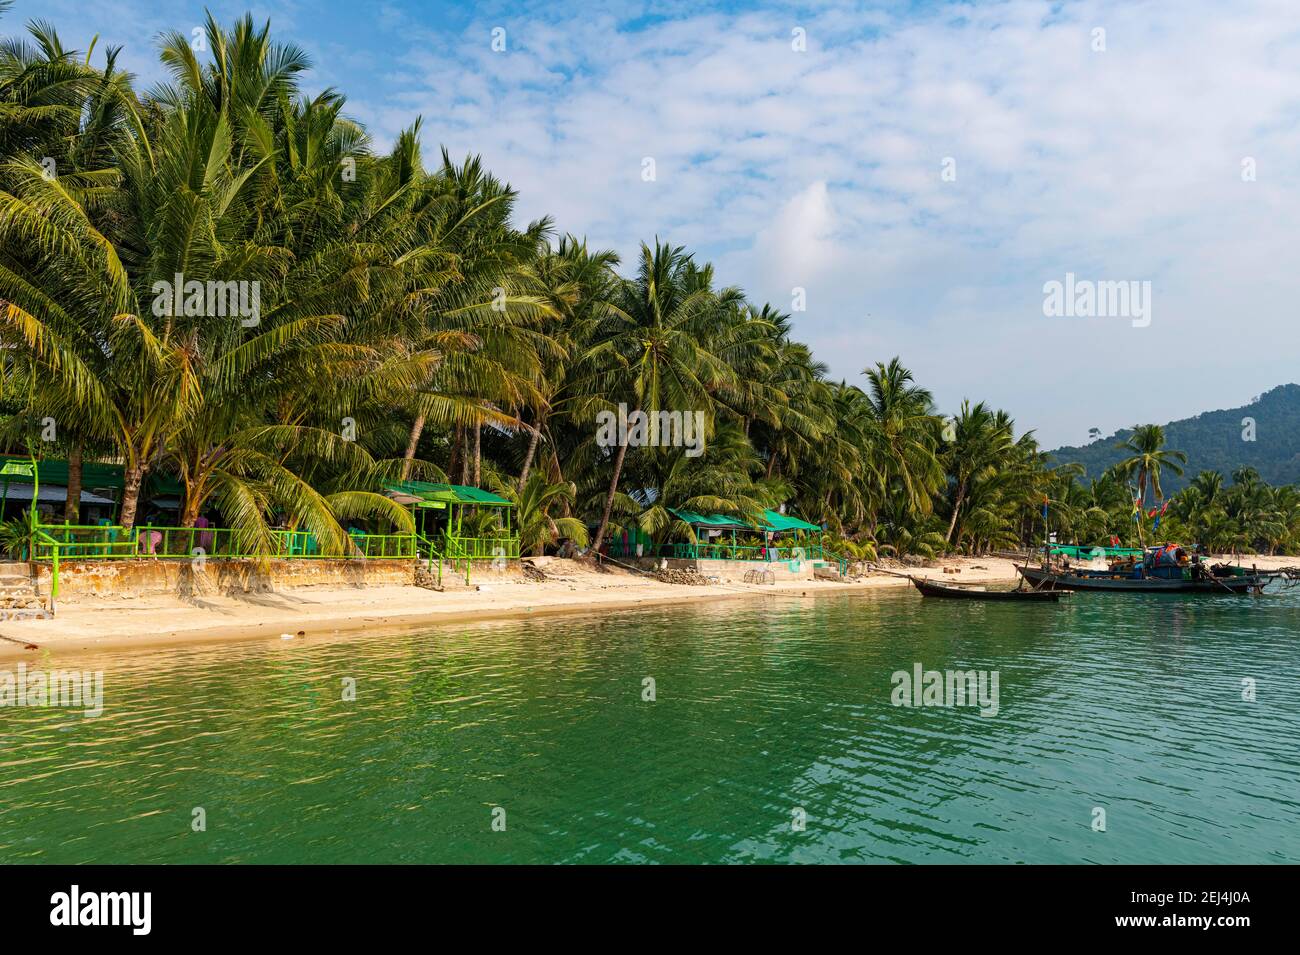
[427, 580]
[286, 636]
[532, 572]
[827, 573]
[684, 576]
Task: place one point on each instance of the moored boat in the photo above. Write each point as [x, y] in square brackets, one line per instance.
[1164, 569]
[930, 588]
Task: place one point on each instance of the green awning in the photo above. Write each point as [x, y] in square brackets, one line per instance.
[708, 520]
[787, 522]
[447, 493]
[772, 521]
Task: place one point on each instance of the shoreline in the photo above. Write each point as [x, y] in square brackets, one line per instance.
[108, 624]
[124, 624]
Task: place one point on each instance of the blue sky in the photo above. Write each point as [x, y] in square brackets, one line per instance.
[824, 168]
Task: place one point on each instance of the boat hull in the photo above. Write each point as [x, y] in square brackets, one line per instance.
[949, 592]
[1148, 585]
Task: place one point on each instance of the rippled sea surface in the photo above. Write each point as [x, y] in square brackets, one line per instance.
[762, 709]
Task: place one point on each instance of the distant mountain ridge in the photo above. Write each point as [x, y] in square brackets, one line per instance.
[1213, 441]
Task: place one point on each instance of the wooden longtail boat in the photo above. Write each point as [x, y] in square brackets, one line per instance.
[1136, 582]
[1164, 569]
[931, 588]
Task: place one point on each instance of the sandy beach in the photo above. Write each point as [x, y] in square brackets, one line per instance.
[570, 587]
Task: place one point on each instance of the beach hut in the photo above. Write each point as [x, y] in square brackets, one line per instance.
[712, 532]
[441, 527]
[45, 481]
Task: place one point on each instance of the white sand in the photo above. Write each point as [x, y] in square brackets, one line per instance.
[573, 587]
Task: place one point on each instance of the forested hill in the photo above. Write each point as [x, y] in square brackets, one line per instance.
[1214, 441]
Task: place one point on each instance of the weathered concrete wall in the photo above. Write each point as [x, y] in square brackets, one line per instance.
[90, 579]
[735, 570]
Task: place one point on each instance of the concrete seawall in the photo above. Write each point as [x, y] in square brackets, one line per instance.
[83, 580]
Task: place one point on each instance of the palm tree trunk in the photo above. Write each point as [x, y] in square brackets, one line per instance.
[557, 472]
[609, 498]
[464, 456]
[72, 504]
[528, 458]
[1142, 506]
[771, 463]
[190, 515]
[556, 469]
[132, 480]
[956, 507]
[478, 454]
[416, 428]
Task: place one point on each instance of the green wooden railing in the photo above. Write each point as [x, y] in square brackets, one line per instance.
[86, 542]
[470, 549]
[481, 548]
[427, 549]
[683, 550]
[40, 537]
[747, 552]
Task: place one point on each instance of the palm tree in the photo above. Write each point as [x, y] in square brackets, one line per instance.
[903, 437]
[538, 528]
[1148, 458]
[577, 285]
[720, 481]
[57, 106]
[1207, 484]
[648, 351]
[980, 441]
[112, 351]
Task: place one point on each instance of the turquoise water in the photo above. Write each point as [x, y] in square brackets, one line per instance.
[763, 708]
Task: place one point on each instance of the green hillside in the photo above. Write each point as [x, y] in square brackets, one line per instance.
[1213, 441]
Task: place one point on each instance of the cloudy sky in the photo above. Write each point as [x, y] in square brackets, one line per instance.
[921, 170]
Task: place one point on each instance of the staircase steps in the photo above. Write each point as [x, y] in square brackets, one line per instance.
[20, 595]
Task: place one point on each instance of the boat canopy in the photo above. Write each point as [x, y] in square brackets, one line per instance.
[1167, 555]
[1079, 552]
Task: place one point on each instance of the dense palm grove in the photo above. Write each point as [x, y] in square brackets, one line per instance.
[407, 327]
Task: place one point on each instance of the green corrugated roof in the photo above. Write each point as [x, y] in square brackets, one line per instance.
[707, 520]
[93, 474]
[787, 522]
[448, 493]
[772, 521]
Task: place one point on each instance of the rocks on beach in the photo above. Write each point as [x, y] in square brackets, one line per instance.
[690, 577]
